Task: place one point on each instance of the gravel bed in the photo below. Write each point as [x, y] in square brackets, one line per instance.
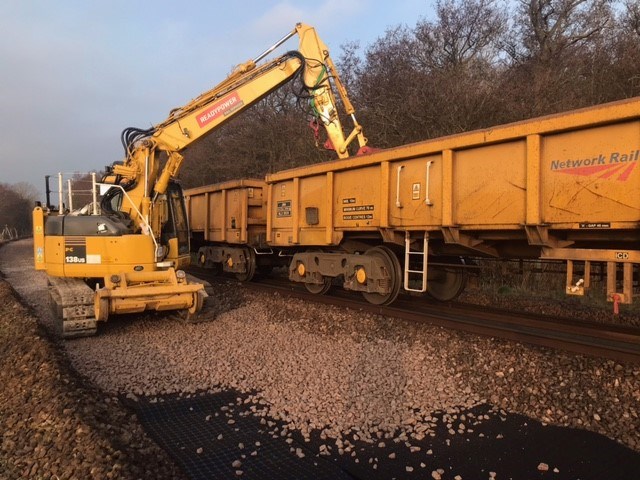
[342, 372]
[579, 308]
[54, 425]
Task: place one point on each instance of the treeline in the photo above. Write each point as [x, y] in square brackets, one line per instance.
[478, 63]
[16, 204]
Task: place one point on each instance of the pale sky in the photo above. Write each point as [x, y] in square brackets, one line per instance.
[75, 73]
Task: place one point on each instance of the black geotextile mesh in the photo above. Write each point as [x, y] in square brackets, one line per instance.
[511, 445]
[188, 429]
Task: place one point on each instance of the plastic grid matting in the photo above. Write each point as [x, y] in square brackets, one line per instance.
[511, 445]
[189, 428]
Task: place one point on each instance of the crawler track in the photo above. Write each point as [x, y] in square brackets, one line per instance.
[579, 336]
[72, 303]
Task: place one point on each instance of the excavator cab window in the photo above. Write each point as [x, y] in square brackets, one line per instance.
[177, 226]
[115, 200]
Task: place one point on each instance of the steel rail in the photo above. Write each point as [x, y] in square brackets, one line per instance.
[585, 337]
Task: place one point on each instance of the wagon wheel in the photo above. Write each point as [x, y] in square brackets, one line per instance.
[250, 257]
[393, 270]
[446, 283]
[319, 289]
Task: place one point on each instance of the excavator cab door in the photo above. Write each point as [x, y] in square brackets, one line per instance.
[175, 231]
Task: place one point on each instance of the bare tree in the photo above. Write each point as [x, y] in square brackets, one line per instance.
[548, 29]
[551, 50]
[631, 20]
[619, 57]
[16, 210]
[465, 31]
[272, 135]
[478, 63]
[436, 79]
[350, 64]
[26, 190]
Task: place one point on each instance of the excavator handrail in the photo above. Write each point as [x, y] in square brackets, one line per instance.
[142, 217]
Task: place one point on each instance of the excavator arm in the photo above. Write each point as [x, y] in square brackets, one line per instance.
[247, 84]
[250, 82]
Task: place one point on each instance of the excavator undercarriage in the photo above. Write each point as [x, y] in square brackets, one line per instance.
[78, 308]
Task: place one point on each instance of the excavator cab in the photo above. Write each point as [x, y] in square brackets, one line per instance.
[167, 222]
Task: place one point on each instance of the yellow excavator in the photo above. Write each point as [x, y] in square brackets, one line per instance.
[126, 254]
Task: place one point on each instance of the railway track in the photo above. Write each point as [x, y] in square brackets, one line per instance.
[579, 336]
